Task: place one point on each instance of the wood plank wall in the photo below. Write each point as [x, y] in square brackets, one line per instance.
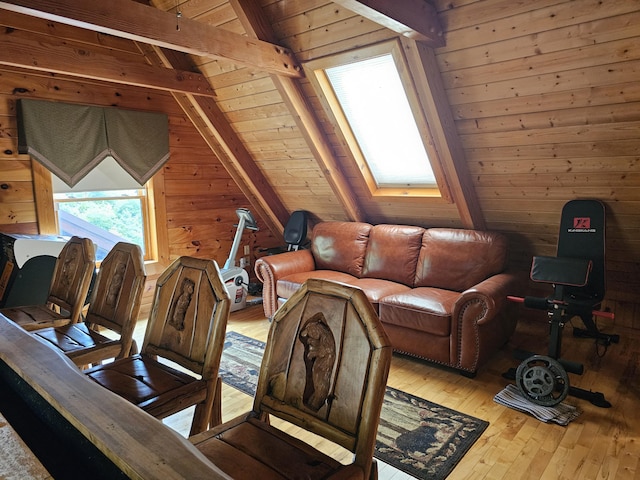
[199, 195]
[201, 198]
[545, 99]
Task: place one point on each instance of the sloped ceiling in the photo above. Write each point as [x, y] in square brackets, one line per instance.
[238, 42]
[539, 99]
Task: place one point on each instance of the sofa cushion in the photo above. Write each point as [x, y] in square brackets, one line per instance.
[377, 289]
[392, 253]
[458, 259]
[287, 286]
[424, 309]
[340, 246]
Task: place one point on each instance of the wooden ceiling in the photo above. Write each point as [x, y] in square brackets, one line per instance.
[164, 35]
[537, 101]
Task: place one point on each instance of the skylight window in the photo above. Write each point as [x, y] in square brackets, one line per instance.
[375, 104]
[370, 96]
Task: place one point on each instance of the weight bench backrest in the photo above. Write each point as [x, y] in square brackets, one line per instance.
[582, 236]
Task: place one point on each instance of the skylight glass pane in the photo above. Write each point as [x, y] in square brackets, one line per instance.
[376, 106]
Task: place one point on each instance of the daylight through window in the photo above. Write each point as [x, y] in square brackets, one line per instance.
[97, 209]
[370, 97]
[375, 104]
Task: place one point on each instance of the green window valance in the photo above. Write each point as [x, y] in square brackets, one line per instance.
[70, 140]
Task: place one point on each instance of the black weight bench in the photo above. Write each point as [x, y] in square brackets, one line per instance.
[577, 274]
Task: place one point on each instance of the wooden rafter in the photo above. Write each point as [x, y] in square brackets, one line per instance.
[415, 19]
[57, 57]
[206, 116]
[252, 19]
[142, 23]
[204, 113]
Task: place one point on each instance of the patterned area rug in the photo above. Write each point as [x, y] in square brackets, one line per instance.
[419, 437]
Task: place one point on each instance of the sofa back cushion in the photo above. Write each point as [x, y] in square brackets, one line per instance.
[340, 246]
[457, 259]
[392, 253]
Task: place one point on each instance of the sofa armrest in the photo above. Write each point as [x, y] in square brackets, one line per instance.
[480, 321]
[493, 291]
[270, 269]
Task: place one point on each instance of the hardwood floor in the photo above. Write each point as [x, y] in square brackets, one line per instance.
[599, 444]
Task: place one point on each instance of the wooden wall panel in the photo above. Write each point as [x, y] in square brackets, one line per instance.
[199, 196]
[17, 205]
[545, 97]
[546, 90]
[316, 29]
[258, 115]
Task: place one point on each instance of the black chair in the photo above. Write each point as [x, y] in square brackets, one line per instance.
[295, 233]
[577, 274]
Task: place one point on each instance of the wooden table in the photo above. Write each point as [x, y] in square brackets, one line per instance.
[131, 441]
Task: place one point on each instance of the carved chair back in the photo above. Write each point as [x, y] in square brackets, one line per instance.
[115, 305]
[117, 294]
[325, 366]
[68, 290]
[186, 326]
[72, 275]
[188, 320]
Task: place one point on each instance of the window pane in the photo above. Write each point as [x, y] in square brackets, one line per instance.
[106, 221]
[108, 206]
[377, 109]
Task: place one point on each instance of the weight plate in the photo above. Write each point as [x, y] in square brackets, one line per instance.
[542, 380]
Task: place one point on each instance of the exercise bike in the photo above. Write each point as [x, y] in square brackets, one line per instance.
[236, 279]
[577, 276]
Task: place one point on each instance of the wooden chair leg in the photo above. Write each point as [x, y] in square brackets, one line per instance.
[373, 475]
[199, 423]
[216, 408]
[206, 417]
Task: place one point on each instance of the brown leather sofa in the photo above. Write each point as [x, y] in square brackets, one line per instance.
[440, 292]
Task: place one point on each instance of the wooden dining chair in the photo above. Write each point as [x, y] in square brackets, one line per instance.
[67, 297]
[325, 370]
[177, 366]
[114, 306]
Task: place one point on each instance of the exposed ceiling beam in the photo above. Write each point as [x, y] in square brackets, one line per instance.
[415, 19]
[58, 57]
[228, 147]
[252, 19]
[135, 21]
[61, 31]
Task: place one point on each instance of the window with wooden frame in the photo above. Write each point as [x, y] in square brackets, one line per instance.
[370, 96]
[95, 172]
[107, 206]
